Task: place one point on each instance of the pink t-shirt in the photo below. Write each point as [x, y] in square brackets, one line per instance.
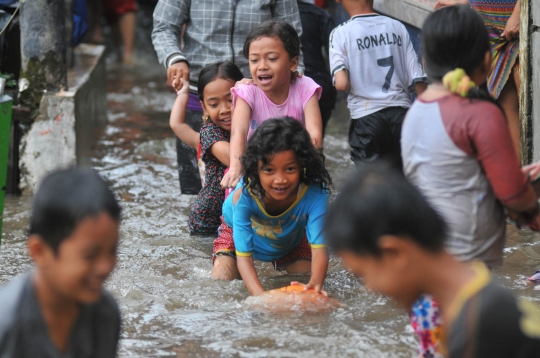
[262, 108]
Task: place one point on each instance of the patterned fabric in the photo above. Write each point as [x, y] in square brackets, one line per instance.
[215, 30]
[224, 245]
[206, 211]
[495, 14]
[426, 322]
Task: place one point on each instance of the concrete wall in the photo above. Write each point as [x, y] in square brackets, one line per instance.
[535, 77]
[65, 129]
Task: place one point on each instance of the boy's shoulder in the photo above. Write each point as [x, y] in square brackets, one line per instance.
[494, 323]
[107, 306]
[10, 297]
[360, 21]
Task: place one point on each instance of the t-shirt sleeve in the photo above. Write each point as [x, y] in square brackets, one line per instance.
[246, 92]
[497, 156]
[494, 324]
[414, 68]
[338, 57]
[317, 213]
[242, 231]
[480, 129]
[210, 135]
[309, 88]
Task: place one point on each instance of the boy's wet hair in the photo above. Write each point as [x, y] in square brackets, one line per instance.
[279, 135]
[224, 70]
[66, 197]
[455, 37]
[280, 29]
[376, 201]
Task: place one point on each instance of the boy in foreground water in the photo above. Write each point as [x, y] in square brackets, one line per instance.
[385, 232]
[60, 309]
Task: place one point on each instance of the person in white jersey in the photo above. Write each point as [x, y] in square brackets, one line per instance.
[372, 57]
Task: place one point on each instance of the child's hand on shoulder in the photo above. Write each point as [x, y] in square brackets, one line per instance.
[245, 81]
[315, 287]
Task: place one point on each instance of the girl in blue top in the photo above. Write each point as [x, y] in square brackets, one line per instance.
[277, 214]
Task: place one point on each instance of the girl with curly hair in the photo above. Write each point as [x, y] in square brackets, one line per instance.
[277, 214]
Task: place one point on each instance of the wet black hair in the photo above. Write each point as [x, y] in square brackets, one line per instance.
[225, 70]
[280, 29]
[455, 37]
[278, 135]
[64, 198]
[378, 200]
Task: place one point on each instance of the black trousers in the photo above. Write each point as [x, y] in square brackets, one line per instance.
[377, 136]
[188, 170]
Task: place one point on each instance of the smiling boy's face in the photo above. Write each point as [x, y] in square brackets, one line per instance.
[83, 261]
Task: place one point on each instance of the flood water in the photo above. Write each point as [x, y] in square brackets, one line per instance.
[169, 305]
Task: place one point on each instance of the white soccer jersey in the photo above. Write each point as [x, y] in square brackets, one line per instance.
[378, 54]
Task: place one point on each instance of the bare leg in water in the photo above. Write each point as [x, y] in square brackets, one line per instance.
[127, 22]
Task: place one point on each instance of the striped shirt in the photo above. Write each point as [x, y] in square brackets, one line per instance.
[215, 30]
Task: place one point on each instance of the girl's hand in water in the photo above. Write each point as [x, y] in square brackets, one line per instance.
[310, 285]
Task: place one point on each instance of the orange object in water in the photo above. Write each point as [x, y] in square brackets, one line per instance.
[292, 298]
[295, 288]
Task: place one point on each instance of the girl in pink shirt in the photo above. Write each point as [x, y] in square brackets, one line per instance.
[272, 49]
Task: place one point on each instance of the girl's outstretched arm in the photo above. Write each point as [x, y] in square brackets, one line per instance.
[239, 131]
[177, 121]
[249, 275]
[312, 114]
[220, 150]
[319, 266]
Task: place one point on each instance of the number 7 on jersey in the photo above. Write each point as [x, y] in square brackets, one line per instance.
[387, 62]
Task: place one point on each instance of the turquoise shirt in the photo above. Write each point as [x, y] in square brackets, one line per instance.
[269, 238]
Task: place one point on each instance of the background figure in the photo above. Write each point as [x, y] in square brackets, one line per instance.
[316, 26]
[501, 18]
[339, 14]
[121, 16]
[214, 31]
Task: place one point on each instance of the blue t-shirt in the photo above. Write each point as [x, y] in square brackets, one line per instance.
[269, 238]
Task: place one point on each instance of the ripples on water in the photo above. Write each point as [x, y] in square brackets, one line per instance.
[169, 305]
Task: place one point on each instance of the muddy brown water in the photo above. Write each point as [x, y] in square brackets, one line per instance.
[169, 305]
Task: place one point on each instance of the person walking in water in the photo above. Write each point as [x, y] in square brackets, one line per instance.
[501, 18]
[372, 58]
[273, 50]
[214, 31]
[458, 151]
